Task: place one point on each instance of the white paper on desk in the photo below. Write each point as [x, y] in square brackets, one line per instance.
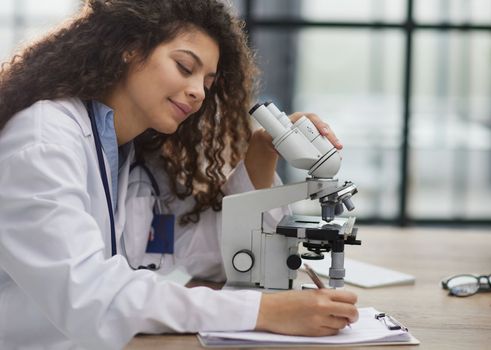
[362, 274]
[367, 330]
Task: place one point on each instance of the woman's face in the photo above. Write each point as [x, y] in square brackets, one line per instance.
[171, 83]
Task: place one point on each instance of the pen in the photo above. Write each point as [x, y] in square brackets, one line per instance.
[317, 281]
[313, 276]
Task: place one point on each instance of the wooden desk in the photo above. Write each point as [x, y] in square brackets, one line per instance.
[436, 319]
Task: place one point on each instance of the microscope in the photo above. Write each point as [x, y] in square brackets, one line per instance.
[257, 256]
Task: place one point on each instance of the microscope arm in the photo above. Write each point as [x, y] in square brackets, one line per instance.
[242, 222]
[246, 208]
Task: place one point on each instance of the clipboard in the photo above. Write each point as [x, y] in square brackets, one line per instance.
[373, 328]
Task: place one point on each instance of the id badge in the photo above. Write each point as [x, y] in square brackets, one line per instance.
[161, 235]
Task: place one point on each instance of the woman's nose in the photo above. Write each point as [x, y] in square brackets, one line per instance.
[196, 90]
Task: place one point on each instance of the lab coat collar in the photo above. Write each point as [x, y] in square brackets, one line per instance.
[75, 108]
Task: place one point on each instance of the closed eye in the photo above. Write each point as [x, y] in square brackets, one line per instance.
[184, 69]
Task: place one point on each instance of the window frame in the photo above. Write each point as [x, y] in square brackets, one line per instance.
[408, 26]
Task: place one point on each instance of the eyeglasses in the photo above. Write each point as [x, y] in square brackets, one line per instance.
[466, 285]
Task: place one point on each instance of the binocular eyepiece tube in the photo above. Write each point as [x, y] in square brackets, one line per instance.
[300, 143]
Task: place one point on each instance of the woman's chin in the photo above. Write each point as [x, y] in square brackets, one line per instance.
[168, 129]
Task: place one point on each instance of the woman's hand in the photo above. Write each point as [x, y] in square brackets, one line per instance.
[324, 128]
[261, 157]
[308, 313]
[260, 160]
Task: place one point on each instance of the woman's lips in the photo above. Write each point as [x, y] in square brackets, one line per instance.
[183, 108]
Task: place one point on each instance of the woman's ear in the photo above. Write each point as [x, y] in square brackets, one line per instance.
[129, 56]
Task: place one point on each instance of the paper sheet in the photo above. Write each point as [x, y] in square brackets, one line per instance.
[367, 330]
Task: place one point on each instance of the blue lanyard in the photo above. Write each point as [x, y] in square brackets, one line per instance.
[102, 169]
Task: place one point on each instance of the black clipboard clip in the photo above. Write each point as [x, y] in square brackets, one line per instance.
[390, 322]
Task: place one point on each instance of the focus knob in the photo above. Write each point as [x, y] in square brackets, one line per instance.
[243, 260]
[339, 209]
[348, 203]
[294, 262]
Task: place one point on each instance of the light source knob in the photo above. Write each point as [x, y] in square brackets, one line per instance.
[243, 260]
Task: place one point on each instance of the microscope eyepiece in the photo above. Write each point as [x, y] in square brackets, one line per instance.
[253, 109]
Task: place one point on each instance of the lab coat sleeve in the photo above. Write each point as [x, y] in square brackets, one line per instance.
[53, 250]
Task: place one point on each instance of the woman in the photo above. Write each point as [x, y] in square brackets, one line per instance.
[175, 77]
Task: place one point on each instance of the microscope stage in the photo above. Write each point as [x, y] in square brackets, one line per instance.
[308, 227]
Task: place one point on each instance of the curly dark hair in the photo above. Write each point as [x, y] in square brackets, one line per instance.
[83, 59]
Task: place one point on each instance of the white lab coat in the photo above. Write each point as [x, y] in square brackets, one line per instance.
[197, 246]
[59, 286]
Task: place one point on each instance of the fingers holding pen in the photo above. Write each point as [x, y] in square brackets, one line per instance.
[335, 322]
[309, 313]
[330, 316]
[339, 304]
[344, 311]
[342, 296]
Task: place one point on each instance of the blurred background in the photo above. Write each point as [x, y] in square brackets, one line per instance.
[405, 84]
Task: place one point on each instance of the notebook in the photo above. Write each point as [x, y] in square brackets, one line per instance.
[369, 330]
[362, 274]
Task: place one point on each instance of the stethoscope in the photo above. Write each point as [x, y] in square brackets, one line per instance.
[156, 210]
[104, 178]
[102, 170]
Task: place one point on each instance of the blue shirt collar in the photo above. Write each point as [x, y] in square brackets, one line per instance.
[104, 120]
[104, 117]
